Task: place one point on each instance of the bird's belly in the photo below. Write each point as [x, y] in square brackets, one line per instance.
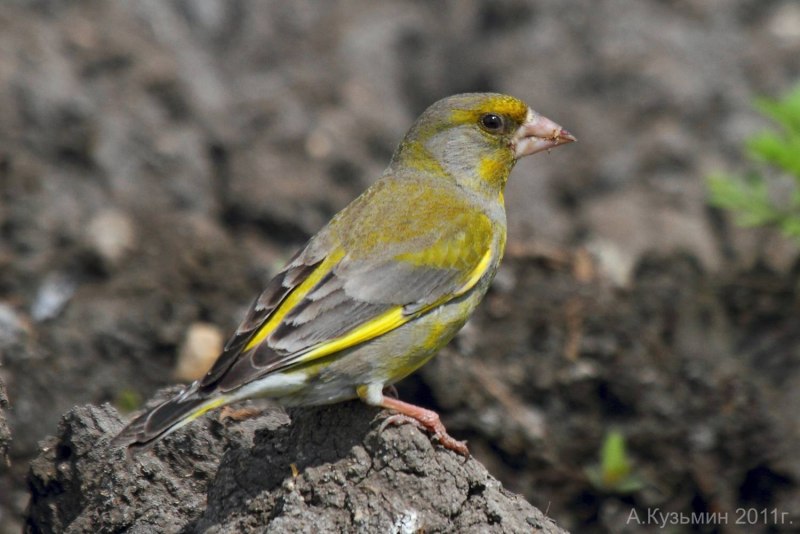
[383, 360]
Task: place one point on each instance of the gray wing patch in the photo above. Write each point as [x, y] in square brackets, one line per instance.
[398, 283]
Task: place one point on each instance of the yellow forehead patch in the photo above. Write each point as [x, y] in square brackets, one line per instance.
[511, 107]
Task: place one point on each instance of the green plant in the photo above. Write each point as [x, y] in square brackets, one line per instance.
[615, 472]
[128, 400]
[748, 196]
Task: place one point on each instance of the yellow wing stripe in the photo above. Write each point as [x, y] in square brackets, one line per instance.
[386, 322]
[476, 273]
[294, 297]
[216, 403]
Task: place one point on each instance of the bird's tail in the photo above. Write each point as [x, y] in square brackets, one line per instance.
[167, 417]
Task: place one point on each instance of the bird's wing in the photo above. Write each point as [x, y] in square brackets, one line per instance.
[322, 303]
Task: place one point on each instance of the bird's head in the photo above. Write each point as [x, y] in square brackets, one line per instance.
[475, 138]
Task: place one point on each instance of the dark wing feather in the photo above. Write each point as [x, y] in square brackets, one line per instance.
[277, 289]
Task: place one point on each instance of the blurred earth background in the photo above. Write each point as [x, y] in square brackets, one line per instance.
[159, 160]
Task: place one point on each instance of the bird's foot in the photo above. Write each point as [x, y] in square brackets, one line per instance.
[423, 419]
[239, 414]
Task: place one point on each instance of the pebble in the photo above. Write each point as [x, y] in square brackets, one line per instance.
[54, 293]
[111, 235]
[784, 23]
[201, 347]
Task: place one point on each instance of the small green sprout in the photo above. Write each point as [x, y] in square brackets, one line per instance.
[614, 473]
[128, 400]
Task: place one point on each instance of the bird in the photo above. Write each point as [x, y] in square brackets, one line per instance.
[386, 284]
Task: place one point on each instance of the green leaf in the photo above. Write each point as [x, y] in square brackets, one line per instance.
[790, 226]
[614, 459]
[748, 197]
[779, 150]
[785, 111]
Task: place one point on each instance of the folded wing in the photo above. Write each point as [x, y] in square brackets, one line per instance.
[321, 304]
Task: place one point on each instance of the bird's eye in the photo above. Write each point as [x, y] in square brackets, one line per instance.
[492, 123]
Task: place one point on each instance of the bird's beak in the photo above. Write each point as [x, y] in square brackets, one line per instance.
[538, 133]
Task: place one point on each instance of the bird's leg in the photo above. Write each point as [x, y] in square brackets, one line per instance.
[428, 419]
[409, 413]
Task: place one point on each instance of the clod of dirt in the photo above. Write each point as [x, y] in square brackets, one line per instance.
[327, 470]
[5, 433]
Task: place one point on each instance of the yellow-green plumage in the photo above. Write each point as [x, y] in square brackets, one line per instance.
[387, 283]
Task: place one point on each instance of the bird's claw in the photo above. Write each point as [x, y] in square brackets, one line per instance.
[438, 431]
[399, 419]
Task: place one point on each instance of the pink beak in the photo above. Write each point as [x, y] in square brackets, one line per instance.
[538, 133]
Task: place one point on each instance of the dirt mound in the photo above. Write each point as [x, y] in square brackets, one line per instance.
[347, 478]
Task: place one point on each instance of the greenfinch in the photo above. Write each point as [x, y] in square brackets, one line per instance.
[386, 283]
